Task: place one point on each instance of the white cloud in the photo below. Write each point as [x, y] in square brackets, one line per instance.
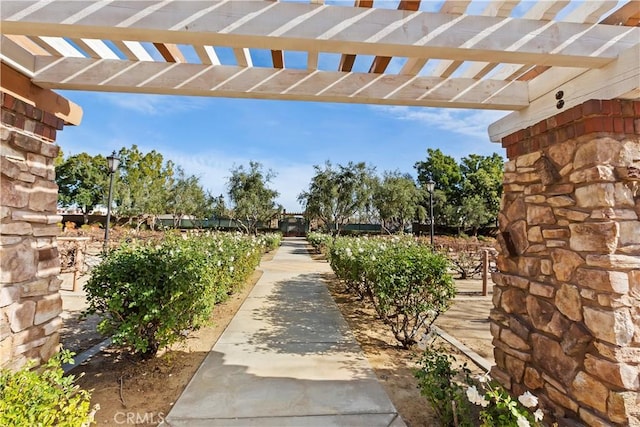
[152, 105]
[473, 123]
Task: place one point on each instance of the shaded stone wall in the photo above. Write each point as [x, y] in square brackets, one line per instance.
[566, 322]
[30, 303]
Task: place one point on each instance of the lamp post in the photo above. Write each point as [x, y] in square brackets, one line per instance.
[113, 161]
[430, 187]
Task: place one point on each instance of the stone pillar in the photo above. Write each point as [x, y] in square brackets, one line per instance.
[566, 317]
[30, 303]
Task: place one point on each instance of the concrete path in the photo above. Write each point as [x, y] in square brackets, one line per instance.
[287, 358]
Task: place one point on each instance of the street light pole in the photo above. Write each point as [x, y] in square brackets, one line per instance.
[430, 188]
[113, 161]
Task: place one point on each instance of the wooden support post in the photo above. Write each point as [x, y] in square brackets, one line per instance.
[75, 281]
[485, 271]
[77, 264]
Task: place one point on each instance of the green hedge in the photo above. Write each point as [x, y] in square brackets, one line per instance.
[151, 293]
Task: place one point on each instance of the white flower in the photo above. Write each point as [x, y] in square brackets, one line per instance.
[523, 422]
[231, 268]
[472, 394]
[538, 415]
[484, 378]
[475, 397]
[528, 400]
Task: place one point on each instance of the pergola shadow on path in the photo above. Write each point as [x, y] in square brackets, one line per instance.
[566, 303]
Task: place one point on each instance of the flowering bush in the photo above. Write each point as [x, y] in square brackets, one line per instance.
[352, 259]
[450, 391]
[270, 241]
[406, 282]
[442, 385]
[319, 241]
[500, 409]
[152, 292]
[411, 288]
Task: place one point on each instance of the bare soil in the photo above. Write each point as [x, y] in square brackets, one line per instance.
[142, 393]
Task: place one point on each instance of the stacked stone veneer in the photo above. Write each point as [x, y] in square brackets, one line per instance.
[30, 303]
[566, 322]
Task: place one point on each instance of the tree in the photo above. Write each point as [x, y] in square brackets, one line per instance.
[187, 198]
[143, 187]
[445, 172]
[83, 182]
[470, 215]
[441, 169]
[218, 207]
[336, 194]
[397, 200]
[467, 195]
[482, 177]
[253, 201]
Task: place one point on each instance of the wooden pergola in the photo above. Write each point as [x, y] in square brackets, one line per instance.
[534, 58]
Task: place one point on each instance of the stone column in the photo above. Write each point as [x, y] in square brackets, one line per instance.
[566, 317]
[30, 303]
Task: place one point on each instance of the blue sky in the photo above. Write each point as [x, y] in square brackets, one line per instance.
[208, 136]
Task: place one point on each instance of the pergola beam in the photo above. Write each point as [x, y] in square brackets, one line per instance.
[294, 26]
[618, 79]
[268, 83]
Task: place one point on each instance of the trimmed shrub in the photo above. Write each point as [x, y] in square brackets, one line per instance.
[271, 241]
[152, 293]
[411, 288]
[44, 397]
[406, 282]
[319, 241]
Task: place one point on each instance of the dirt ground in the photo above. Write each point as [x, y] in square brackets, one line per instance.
[142, 393]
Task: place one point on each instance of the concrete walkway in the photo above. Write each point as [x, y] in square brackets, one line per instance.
[287, 358]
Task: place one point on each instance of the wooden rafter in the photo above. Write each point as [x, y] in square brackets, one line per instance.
[498, 8]
[621, 76]
[277, 58]
[586, 12]
[348, 59]
[380, 63]
[170, 52]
